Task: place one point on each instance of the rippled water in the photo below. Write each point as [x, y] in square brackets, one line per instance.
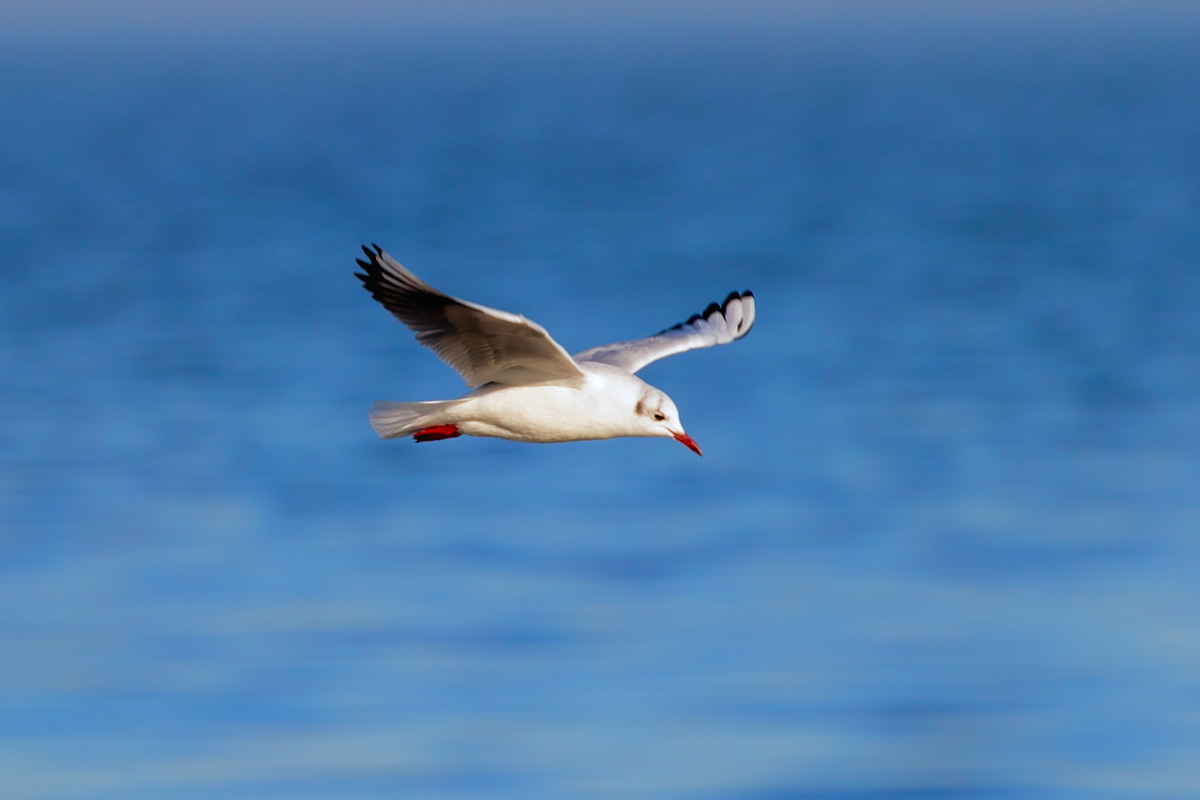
[943, 541]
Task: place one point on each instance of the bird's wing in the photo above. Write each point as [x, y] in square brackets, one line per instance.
[718, 324]
[483, 344]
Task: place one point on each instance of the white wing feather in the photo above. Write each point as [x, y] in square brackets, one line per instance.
[719, 324]
[482, 344]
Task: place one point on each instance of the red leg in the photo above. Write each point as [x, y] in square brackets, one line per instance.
[436, 432]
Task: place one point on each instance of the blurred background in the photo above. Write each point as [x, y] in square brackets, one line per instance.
[945, 538]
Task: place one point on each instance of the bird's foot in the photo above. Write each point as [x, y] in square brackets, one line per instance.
[437, 432]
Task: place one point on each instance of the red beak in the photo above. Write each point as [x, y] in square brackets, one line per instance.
[690, 442]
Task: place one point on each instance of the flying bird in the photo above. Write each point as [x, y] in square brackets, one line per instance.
[525, 386]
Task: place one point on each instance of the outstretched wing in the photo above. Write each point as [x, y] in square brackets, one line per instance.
[719, 324]
[483, 344]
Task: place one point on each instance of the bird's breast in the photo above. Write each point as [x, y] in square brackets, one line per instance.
[542, 413]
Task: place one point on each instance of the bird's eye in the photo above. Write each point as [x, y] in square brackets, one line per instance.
[659, 416]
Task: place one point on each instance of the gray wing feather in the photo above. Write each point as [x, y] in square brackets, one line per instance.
[483, 344]
[718, 324]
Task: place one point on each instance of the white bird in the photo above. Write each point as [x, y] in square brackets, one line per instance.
[525, 385]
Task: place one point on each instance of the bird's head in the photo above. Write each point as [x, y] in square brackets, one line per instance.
[656, 415]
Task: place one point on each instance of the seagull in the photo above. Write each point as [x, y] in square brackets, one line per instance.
[525, 386]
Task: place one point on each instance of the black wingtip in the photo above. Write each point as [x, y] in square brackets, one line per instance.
[372, 271]
[719, 308]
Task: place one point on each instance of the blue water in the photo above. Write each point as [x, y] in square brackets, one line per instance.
[944, 541]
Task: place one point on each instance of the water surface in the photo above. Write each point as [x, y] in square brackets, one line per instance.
[943, 541]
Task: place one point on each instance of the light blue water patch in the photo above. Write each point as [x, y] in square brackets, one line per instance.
[942, 542]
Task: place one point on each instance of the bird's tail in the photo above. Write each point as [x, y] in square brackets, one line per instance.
[391, 420]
